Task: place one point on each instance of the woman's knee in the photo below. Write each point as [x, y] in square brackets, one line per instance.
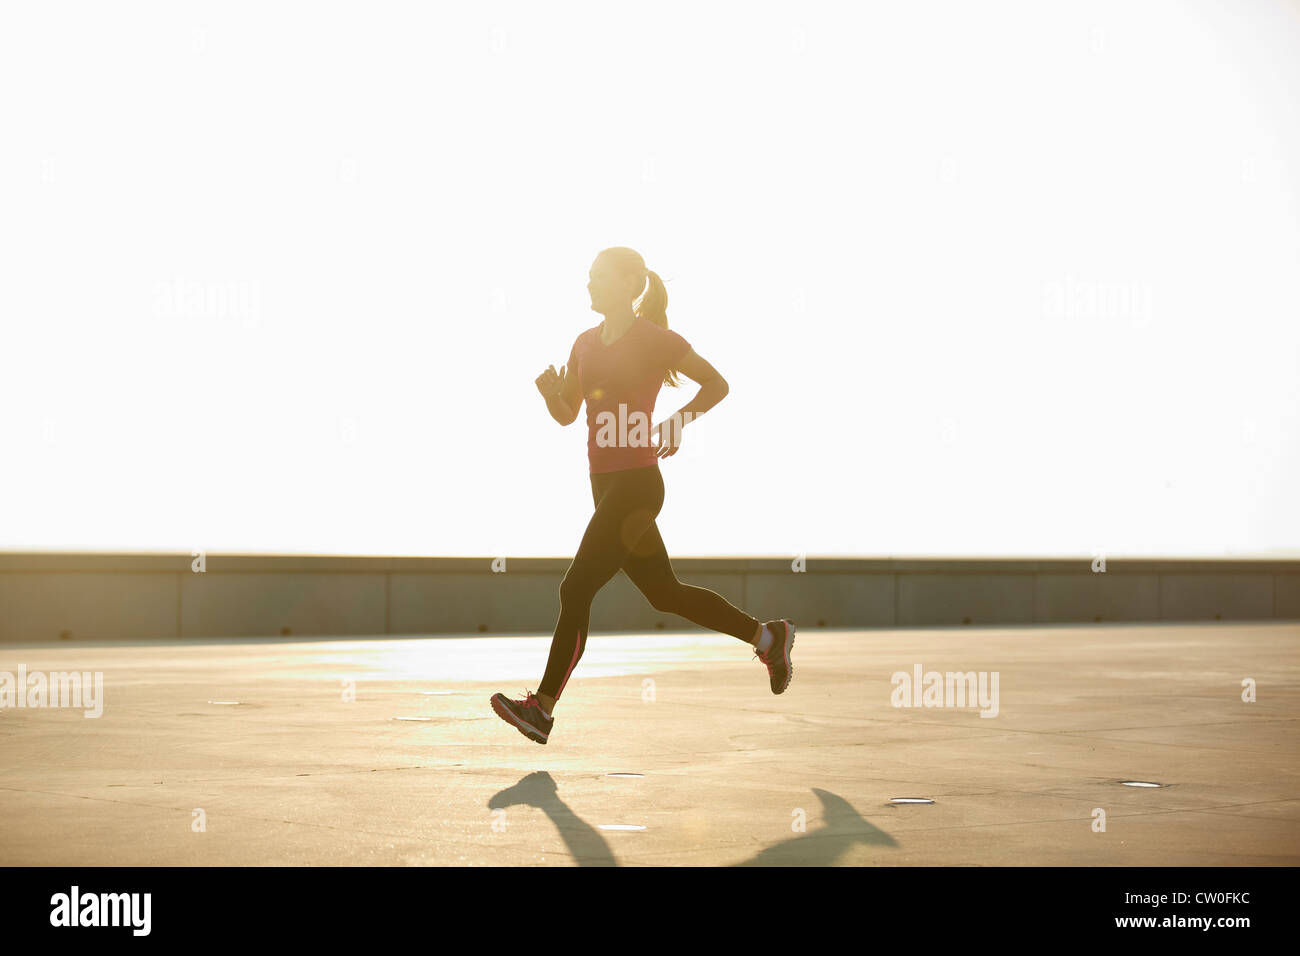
[664, 596]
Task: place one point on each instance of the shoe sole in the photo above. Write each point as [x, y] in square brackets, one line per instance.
[789, 666]
[529, 731]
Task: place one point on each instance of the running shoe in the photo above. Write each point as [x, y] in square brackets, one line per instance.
[777, 658]
[526, 716]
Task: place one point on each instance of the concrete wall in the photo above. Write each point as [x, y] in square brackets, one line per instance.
[49, 596]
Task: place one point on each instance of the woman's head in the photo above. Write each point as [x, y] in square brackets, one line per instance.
[619, 281]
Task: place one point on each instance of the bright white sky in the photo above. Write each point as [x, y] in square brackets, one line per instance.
[985, 279]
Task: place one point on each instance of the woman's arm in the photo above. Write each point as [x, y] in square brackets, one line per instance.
[560, 410]
[563, 395]
[571, 396]
[713, 389]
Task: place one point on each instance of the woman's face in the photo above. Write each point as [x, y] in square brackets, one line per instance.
[608, 288]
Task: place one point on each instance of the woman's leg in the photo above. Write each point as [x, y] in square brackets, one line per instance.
[649, 568]
[626, 505]
[651, 571]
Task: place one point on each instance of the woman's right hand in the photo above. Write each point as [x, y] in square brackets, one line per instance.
[550, 384]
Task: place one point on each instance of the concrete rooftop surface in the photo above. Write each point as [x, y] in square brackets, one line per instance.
[290, 751]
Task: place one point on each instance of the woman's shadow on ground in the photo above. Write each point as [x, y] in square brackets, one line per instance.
[842, 828]
[584, 842]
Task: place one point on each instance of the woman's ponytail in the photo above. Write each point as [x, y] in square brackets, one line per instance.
[654, 306]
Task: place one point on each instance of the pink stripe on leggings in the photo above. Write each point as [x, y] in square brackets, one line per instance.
[577, 648]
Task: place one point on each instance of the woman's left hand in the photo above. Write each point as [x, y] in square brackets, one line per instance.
[668, 434]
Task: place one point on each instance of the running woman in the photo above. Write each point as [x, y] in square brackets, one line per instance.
[618, 367]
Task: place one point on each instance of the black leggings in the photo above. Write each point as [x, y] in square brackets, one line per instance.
[622, 534]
